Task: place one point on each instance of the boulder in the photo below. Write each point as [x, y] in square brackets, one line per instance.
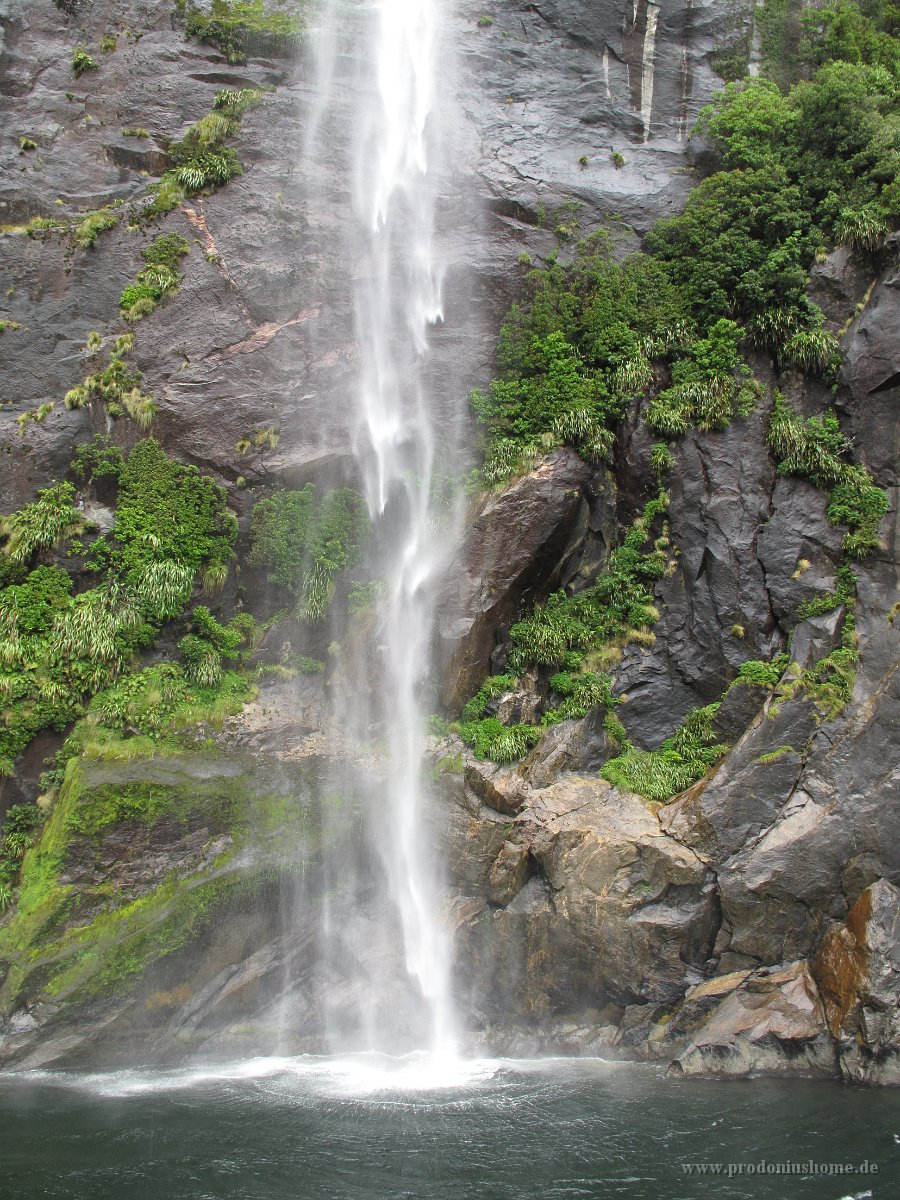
[767, 1022]
[516, 546]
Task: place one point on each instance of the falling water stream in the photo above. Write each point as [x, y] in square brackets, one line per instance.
[397, 301]
[394, 251]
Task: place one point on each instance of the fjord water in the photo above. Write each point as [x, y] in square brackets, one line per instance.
[299, 1128]
[381, 932]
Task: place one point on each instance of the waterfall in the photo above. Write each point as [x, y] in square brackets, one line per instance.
[390, 125]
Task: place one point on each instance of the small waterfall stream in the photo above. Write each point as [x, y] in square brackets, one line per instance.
[390, 127]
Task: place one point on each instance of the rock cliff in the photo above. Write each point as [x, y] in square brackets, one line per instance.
[748, 925]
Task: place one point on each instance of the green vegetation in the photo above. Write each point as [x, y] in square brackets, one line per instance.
[758, 672]
[828, 684]
[91, 940]
[574, 353]
[136, 132]
[56, 648]
[577, 633]
[82, 60]
[17, 835]
[83, 229]
[92, 224]
[681, 760]
[618, 608]
[302, 545]
[108, 43]
[116, 386]
[203, 650]
[201, 159]
[863, 33]
[239, 28]
[158, 279]
[801, 168]
[485, 21]
[26, 144]
[8, 324]
[815, 449]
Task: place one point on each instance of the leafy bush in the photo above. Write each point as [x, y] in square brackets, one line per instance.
[201, 160]
[828, 683]
[562, 633]
[572, 355]
[497, 742]
[760, 673]
[302, 545]
[82, 60]
[495, 686]
[88, 229]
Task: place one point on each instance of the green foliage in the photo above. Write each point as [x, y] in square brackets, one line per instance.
[847, 31]
[815, 449]
[171, 521]
[154, 708]
[573, 354]
[239, 28]
[136, 132]
[760, 673]
[485, 21]
[158, 279]
[681, 760]
[303, 545]
[618, 606]
[97, 460]
[844, 593]
[41, 525]
[492, 687]
[201, 160]
[17, 835]
[497, 742]
[26, 144]
[710, 385]
[365, 595]
[661, 459]
[82, 60]
[88, 229]
[832, 140]
[828, 684]
[564, 632]
[203, 650]
[862, 228]
[581, 692]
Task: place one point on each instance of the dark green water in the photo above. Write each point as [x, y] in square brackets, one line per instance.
[302, 1129]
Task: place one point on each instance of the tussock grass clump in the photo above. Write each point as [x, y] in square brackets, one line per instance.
[815, 449]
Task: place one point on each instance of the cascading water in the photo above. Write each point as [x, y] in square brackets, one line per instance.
[373, 902]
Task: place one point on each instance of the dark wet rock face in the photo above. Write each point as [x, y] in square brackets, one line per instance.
[748, 926]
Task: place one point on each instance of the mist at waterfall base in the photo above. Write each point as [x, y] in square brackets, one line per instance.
[557, 1128]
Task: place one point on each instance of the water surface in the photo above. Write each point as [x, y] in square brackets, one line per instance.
[305, 1129]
